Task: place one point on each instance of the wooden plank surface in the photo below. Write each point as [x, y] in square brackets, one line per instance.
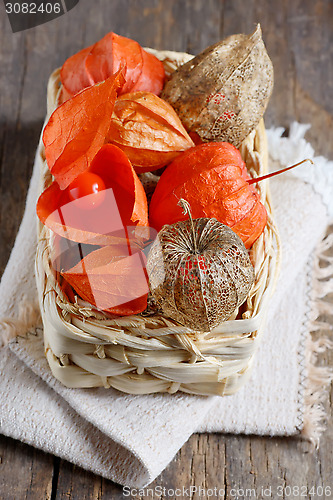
[299, 38]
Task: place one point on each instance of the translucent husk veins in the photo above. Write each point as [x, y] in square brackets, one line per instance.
[222, 93]
[199, 272]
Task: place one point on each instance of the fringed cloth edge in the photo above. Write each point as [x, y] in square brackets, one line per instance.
[27, 320]
[318, 378]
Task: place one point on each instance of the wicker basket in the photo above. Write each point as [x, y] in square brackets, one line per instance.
[150, 353]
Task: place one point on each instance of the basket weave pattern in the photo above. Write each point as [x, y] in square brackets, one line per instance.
[149, 353]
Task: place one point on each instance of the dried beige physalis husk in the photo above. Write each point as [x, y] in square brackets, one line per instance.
[149, 182]
[199, 272]
[223, 92]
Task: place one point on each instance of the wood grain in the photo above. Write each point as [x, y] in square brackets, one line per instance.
[24, 471]
[299, 39]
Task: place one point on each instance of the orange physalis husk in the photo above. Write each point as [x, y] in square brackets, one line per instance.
[152, 77]
[213, 179]
[112, 280]
[148, 130]
[143, 70]
[124, 205]
[73, 76]
[98, 62]
[77, 129]
[112, 52]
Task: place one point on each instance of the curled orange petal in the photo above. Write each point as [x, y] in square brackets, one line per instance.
[148, 130]
[73, 75]
[124, 203]
[77, 129]
[152, 76]
[112, 280]
[94, 64]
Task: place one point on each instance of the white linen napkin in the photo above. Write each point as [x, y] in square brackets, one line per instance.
[131, 439]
